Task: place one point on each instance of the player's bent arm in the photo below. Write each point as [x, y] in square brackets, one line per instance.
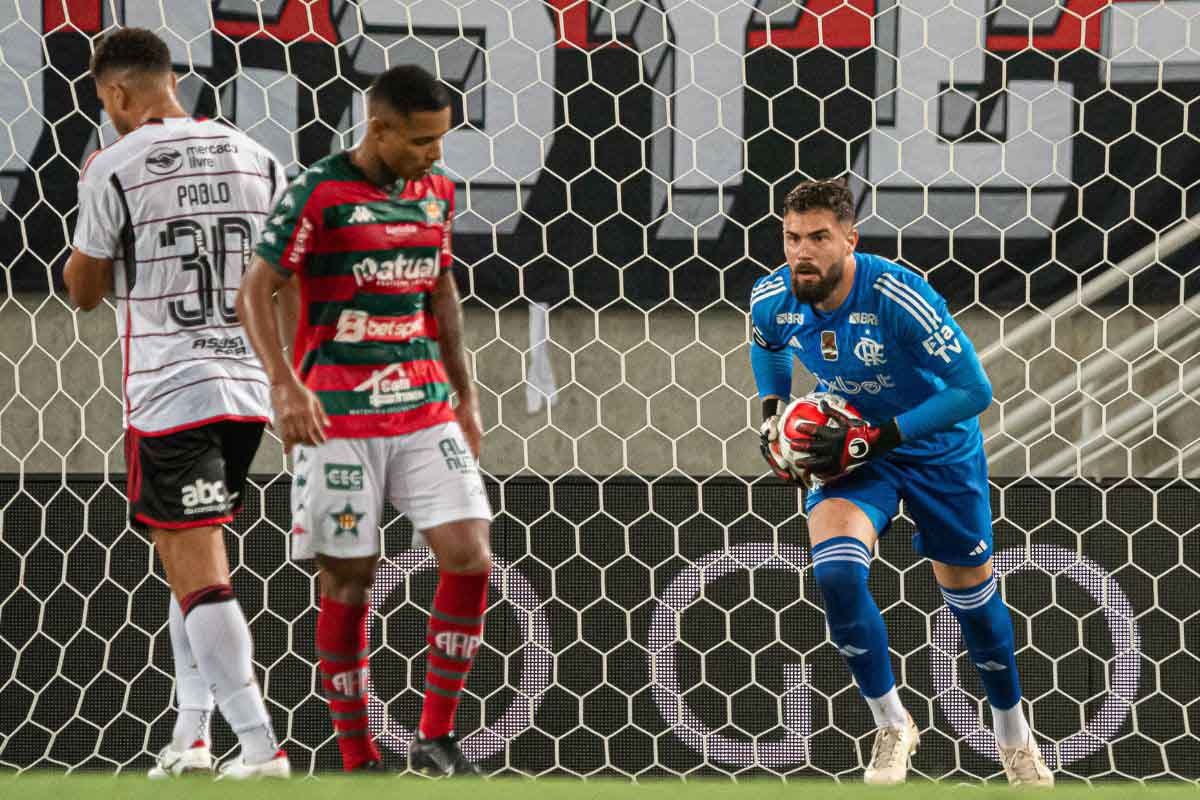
[87, 279]
[256, 310]
[968, 393]
[447, 309]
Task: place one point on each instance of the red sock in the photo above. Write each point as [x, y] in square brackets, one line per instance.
[342, 653]
[455, 632]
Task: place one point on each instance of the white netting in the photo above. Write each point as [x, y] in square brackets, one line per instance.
[619, 166]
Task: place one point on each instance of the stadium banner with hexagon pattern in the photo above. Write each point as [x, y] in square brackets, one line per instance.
[620, 166]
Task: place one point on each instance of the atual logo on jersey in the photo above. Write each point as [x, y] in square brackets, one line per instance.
[789, 318]
[869, 352]
[354, 325]
[432, 207]
[389, 386]
[164, 160]
[393, 272]
[863, 318]
[829, 349]
[361, 215]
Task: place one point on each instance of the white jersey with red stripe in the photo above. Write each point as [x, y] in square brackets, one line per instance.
[178, 205]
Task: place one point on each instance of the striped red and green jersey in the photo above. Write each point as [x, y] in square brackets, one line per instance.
[367, 260]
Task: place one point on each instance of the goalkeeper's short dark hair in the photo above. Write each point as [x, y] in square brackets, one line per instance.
[409, 88]
[131, 48]
[831, 195]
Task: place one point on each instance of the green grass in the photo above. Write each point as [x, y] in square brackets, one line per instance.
[136, 787]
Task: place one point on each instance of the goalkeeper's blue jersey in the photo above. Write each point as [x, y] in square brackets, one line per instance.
[889, 347]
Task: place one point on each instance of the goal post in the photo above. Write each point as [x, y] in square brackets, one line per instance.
[620, 167]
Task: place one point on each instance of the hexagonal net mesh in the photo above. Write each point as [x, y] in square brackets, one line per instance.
[620, 165]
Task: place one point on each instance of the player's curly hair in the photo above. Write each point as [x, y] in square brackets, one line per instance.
[131, 48]
[833, 195]
[408, 88]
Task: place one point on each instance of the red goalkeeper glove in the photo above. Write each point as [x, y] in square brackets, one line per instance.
[769, 447]
[831, 450]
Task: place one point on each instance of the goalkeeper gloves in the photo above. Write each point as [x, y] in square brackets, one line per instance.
[829, 452]
[768, 434]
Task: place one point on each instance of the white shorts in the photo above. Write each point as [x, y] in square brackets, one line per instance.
[339, 487]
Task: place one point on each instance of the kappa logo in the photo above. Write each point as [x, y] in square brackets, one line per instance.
[203, 496]
[399, 271]
[287, 201]
[389, 386]
[456, 644]
[164, 160]
[361, 215]
[869, 352]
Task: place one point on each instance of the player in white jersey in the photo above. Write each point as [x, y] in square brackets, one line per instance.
[168, 215]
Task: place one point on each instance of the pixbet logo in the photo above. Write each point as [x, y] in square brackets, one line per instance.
[202, 495]
[394, 271]
[844, 386]
[456, 644]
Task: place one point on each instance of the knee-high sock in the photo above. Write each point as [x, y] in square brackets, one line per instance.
[455, 633]
[220, 640]
[840, 566]
[342, 650]
[987, 630]
[192, 695]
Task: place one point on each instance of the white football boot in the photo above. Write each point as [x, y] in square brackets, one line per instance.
[891, 753]
[236, 769]
[1024, 766]
[172, 763]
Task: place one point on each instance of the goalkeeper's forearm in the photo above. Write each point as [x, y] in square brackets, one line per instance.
[968, 394]
[773, 377]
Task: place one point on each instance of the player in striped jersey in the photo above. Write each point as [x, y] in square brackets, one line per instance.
[877, 335]
[169, 211]
[366, 234]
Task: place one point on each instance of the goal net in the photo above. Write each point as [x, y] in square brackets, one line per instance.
[620, 166]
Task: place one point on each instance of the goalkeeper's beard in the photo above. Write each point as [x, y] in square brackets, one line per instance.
[813, 293]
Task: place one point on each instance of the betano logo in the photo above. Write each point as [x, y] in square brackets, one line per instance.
[392, 272]
[389, 386]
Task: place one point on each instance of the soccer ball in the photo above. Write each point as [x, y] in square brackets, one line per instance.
[807, 409]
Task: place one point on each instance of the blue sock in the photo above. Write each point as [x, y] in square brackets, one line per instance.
[987, 630]
[840, 566]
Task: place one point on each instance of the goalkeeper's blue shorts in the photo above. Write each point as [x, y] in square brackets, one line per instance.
[948, 502]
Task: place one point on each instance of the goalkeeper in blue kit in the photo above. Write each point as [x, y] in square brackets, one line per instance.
[877, 336]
